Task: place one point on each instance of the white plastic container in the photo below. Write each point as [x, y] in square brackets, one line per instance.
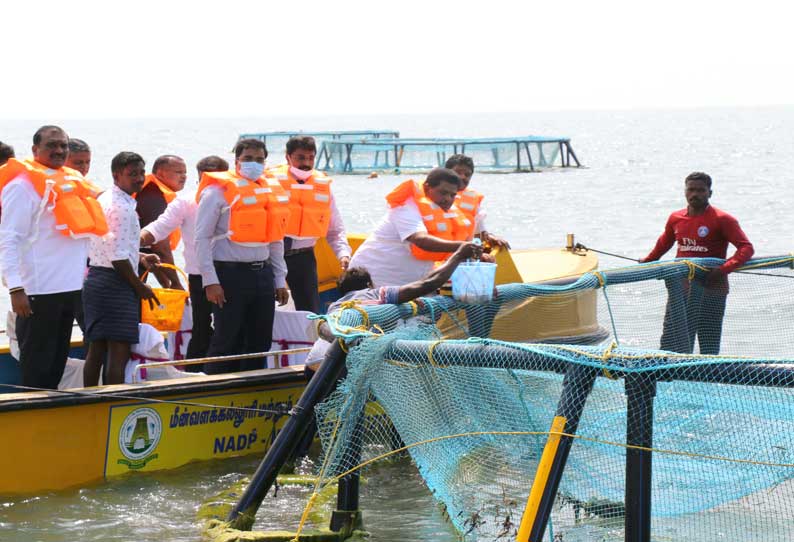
[472, 282]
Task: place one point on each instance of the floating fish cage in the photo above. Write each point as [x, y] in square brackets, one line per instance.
[498, 154]
[277, 141]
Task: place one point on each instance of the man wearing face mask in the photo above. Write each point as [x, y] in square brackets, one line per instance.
[240, 225]
[313, 214]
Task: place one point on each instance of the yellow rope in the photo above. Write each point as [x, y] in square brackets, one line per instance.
[665, 355]
[319, 484]
[600, 278]
[305, 515]
[562, 434]
[400, 364]
[430, 354]
[414, 308]
[354, 304]
[605, 359]
[343, 346]
[766, 264]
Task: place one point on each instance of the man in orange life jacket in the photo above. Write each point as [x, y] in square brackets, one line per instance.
[43, 251]
[423, 226]
[180, 215]
[79, 156]
[313, 214]
[240, 225]
[470, 201]
[168, 176]
[696, 307]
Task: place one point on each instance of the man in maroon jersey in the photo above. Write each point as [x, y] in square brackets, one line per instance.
[696, 307]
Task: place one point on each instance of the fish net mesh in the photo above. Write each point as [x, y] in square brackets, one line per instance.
[418, 155]
[484, 398]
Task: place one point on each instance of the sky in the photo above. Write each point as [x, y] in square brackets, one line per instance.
[241, 58]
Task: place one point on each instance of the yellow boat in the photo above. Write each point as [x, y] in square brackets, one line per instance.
[76, 437]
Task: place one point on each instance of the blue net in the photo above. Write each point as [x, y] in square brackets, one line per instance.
[529, 153]
[474, 410]
[277, 141]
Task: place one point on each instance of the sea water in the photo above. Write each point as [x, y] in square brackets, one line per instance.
[635, 164]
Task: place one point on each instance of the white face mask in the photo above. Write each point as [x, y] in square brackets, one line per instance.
[251, 170]
[300, 174]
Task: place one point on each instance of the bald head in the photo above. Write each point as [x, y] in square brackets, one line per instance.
[171, 171]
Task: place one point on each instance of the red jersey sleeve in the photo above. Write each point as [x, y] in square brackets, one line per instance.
[664, 243]
[735, 235]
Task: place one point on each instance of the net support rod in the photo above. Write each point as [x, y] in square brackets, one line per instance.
[347, 517]
[740, 371]
[773, 375]
[321, 384]
[576, 387]
[476, 355]
[570, 150]
[640, 393]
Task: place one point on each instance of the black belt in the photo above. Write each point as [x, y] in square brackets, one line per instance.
[241, 265]
[294, 251]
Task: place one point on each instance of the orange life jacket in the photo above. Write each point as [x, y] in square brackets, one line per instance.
[469, 201]
[450, 225]
[169, 196]
[309, 202]
[65, 192]
[259, 209]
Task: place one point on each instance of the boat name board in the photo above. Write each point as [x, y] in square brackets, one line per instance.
[147, 436]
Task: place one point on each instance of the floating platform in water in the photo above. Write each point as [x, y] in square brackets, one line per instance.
[276, 141]
[403, 155]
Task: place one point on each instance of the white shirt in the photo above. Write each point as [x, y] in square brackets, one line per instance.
[33, 254]
[336, 235]
[479, 220]
[212, 225]
[123, 240]
[180, 214]
[387, 255]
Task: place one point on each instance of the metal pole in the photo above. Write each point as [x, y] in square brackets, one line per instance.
[576, 386]
[321, 384]
[575, 159]
[640, 391]
[346, 517]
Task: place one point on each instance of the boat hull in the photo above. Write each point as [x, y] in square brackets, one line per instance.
[63, 440]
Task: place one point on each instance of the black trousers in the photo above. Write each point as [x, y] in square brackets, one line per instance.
[302, 281]
[44, 338]
[202, 322]
[245, 323]
[693, 310]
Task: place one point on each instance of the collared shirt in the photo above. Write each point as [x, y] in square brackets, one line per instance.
[180, 214]
[336, 235]
[387, 255]
[212, 225]
[123, 239]
[33, 254]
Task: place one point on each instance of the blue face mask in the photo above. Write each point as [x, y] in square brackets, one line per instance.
[251, 170]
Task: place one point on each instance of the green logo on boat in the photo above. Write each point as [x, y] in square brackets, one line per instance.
[139, 436]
